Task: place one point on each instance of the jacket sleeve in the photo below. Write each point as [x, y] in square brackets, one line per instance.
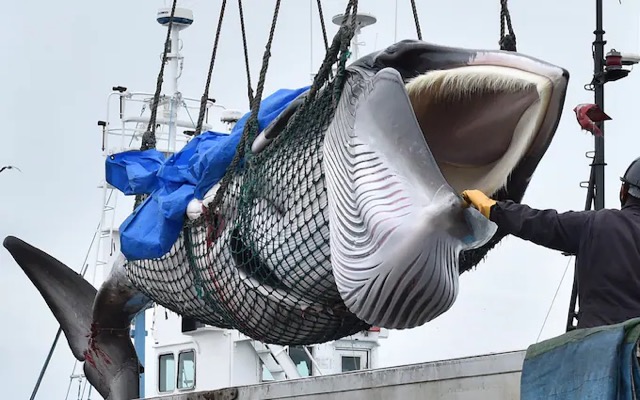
[548, 228]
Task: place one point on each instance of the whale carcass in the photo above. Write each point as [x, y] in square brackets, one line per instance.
[358, 223]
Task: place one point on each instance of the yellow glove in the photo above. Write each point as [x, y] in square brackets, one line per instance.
[479, 201]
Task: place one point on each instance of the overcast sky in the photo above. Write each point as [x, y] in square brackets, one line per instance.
[60, 60]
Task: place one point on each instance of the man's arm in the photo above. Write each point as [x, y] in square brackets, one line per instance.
[548, 228]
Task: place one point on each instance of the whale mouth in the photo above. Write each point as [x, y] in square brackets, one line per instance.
[480, 120]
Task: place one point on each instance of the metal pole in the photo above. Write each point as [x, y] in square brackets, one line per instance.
[46, 364]
[174, 65]
[139, 334]
[574, 290]
[598, 50]
[83, 272]
[311, 40]
[595, 193]
[395, 25]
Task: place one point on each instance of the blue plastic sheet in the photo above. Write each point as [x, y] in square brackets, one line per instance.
[595, 363]
[134, 172]
[152, 229]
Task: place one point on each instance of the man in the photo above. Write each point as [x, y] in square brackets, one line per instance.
[606, 244]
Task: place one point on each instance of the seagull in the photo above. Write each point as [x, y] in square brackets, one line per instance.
[9, 167]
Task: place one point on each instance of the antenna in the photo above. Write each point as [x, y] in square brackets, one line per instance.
[362, 21]
[395, 24]
[312, 74]
[182, 19]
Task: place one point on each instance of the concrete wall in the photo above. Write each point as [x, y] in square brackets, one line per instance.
[494, 376]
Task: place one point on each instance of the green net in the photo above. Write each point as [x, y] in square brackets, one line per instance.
[258, 260]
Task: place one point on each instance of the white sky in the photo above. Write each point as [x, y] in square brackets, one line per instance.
[60, 60]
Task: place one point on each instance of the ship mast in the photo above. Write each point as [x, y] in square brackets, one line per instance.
[362, 21]
[607, 68]
[183, 18]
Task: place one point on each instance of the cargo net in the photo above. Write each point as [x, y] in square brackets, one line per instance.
[258, 259]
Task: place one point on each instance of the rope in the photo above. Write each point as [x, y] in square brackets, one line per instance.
[149, 137]
[322, 25]
[507, 41]
[343, 39]
[246, 52]
[324, 30]
[553, 300]
[252, 122]
[341, 42]
[205, 94]
[416, 19]
[352, 8]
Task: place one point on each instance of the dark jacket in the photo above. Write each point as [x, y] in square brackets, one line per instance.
[607, 248]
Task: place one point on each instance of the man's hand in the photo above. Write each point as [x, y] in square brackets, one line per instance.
[479, 201]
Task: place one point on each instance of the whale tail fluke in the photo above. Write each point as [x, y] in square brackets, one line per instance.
[110, 362]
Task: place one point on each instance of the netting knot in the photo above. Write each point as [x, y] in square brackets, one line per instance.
[148, 140]
[508, 42]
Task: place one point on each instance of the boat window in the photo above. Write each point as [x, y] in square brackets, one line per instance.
[350, 363]
[166, 378]
[353, 359]
[187, 370]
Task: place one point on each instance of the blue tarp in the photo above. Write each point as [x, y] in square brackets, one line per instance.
[134, 171]
[595, 363]
[153, 227]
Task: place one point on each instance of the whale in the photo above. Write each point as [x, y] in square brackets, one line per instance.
[361, 222]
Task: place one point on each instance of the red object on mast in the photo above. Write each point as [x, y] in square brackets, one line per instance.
[588, 115]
